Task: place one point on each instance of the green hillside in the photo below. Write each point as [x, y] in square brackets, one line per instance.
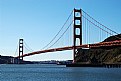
[100, 55]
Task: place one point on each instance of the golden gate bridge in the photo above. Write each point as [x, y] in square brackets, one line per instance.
[84, 28]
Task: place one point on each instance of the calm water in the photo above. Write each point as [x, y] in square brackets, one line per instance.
[57, 73]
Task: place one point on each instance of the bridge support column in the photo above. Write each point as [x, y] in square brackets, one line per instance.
[77, 31]
[20, 51]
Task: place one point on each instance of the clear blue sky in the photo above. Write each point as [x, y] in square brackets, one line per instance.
[37, 21]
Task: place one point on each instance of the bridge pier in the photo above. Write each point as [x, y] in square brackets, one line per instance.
[77, 40]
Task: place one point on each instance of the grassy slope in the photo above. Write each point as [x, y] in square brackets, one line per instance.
[102, 55]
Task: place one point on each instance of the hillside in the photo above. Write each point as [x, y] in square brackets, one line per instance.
[101, 55]
[113, 38]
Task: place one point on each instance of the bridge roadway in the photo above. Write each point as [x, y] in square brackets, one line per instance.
[96, 45]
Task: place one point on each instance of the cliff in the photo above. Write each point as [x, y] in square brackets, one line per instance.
[100, 55]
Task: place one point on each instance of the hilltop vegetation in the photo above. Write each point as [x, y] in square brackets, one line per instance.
[113, 38]
[100, 55]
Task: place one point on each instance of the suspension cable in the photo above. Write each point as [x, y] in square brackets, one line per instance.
[28, 46]
[58, 31]
[100, 27]
[61, 35]
[28, 49]
[100, 23]
[16, 50]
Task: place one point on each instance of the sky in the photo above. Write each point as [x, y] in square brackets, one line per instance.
[37, 22]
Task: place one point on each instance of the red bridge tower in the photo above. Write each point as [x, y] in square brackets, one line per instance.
[77, 31]
[20, 51]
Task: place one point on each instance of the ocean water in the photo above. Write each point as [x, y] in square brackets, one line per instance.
[40, 72]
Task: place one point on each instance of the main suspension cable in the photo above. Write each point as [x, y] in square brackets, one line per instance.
[100, 27]
[27, 47]
[58, 31]
[61, 35]
[100, 23]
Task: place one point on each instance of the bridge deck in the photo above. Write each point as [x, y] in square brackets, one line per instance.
[96, 45]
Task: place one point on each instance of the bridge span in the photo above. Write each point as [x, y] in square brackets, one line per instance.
[90, 46]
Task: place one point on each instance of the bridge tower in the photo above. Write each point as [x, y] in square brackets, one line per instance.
[20, 50]
[77, 31]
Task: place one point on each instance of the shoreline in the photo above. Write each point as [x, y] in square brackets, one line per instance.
[95, 65]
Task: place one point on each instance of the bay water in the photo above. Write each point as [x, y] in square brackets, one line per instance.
[51, 72]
